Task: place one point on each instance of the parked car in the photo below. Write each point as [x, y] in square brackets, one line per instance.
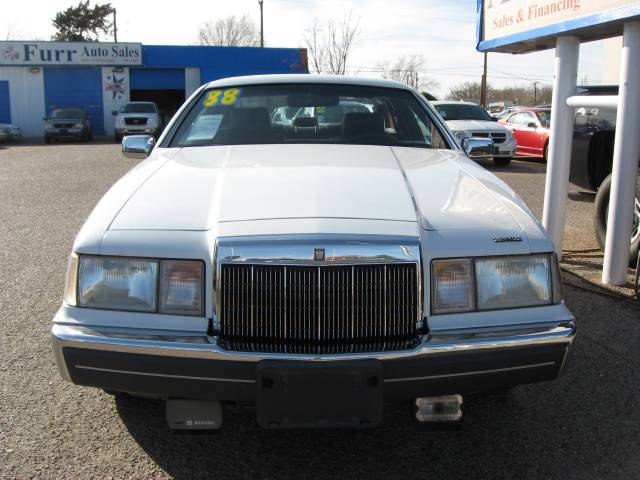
[67, 123]
[530, 127]
[137, 118]
[5, 134]
[591, 163]
[505, 112]
[470, 120]
[316, 277]
[15, 132]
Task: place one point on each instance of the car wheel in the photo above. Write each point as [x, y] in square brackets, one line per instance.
[600, 219]
[545, 153]
[502, 161]
[117, 137]
[47, 140]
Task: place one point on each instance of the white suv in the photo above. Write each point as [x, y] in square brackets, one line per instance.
[137, 118]
[468, 119]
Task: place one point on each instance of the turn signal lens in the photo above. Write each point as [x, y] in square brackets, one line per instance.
[452, 285]
[181, 287]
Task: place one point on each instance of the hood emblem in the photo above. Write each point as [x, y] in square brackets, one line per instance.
[318, 254]
[507, 239]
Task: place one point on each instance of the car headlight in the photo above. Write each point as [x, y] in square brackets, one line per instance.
[462, 134]
[495, 283]
[136, 284]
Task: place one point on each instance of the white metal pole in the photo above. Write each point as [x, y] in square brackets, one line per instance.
[626, 153]
[560, 139]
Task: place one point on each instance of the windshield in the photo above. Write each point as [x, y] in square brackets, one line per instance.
[67, 113]
[139, 108]
[462, 111]
[307, 113]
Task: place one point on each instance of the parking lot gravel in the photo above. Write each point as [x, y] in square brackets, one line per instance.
[586, 425]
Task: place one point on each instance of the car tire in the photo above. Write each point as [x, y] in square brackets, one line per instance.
[117, 137]
[502, 161]
[600, 219]
[47, 140]
[545, 153]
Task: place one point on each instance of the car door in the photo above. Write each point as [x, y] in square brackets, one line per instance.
[525, 130]
[512, 122]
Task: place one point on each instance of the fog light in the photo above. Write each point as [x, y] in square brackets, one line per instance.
[443, 409]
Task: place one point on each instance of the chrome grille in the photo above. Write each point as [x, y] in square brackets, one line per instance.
[318, 309]
[497, 137]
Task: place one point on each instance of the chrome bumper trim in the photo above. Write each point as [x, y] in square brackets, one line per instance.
[178, 344]
[476, 372]
[149, 374]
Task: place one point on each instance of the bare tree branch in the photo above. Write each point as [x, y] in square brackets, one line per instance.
[407, 69]
[231, 31]
[329, 46]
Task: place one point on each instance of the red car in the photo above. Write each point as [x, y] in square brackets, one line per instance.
[530, 127]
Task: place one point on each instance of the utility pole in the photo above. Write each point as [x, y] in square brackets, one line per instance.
[483, 86]
[261, 24]
[535, 93]
[115, 27]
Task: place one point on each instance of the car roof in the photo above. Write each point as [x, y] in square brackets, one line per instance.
[302, 78]
[453, 102]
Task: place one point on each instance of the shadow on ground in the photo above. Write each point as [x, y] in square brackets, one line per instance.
[584, 425]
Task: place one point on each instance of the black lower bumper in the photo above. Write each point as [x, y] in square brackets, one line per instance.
[225, 380]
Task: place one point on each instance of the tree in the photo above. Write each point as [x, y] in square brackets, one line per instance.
[11, 32]
[329, 45]
[230, 32]
[470, 91]
[533, 94]
[407, 69]
[83, 23]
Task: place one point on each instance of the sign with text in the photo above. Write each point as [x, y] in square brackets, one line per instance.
[519, 22]
[70, 53]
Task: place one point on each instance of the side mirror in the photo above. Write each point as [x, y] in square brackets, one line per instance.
[114, 112]
[478, 148]
[532, 125]
[137, 146]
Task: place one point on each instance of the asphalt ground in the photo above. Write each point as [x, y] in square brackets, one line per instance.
[585, 425]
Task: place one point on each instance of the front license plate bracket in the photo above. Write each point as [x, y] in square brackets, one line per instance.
[298, 394]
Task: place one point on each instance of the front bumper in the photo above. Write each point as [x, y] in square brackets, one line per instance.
[505, 149]
[135, 130]
[179, 364]
[64, 132]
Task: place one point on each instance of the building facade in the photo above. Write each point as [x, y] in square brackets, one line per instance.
[36, 77]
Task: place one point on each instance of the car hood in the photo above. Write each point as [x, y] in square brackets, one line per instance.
[475, 126]
[199, 188]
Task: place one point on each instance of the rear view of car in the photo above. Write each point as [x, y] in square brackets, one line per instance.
[137, 118]
[67, 124]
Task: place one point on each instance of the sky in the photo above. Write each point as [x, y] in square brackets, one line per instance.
[442, 31]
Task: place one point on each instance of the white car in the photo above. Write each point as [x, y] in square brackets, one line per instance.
[15, 132]
[316, 275]
[137, 118]
[468, 120]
